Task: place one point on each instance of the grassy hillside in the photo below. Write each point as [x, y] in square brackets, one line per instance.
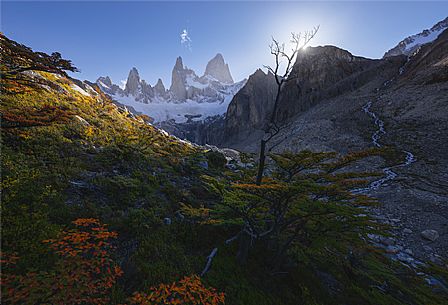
[72, 161]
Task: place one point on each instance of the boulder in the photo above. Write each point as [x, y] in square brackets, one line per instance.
[431, 235]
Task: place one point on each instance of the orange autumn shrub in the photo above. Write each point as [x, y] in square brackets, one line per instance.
[83, 274]
[188, 291]
[33, 117]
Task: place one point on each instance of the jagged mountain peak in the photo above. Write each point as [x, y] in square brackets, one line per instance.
[160, 84]
[133, 73]
[105, 81]
[219, 56]
[159, 88]
[133, 82]
[411, 44]
[179, 64]
[258, 72]
[218, 69]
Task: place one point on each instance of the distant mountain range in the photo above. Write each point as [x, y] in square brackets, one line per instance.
[189, 96]
[213, 109]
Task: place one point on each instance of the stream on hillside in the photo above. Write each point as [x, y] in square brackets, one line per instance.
[389, 174]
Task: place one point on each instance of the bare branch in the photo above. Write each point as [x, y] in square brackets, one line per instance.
[209, 261]
[228, 241]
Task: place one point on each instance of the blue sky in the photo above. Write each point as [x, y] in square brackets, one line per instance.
[109, 38]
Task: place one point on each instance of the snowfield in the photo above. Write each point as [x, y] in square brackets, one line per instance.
[163, 110]
[418, 40]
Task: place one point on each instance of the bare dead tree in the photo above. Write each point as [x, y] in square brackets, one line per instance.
[298, 41]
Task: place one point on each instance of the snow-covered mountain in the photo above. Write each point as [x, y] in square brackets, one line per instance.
[189, 95]
[411, 44]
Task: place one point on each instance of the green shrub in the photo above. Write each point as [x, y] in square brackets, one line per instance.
[216, 159]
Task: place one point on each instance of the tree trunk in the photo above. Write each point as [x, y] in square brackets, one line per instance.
[243, 249]
[261, 162]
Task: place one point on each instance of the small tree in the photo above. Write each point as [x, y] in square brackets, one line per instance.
[274, 127]
[18, 58]
[308, 199]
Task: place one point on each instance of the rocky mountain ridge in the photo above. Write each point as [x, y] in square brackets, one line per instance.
[411, 44]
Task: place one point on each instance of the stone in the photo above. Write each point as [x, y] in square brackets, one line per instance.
[167, 221]
[387, 241]
[392, 249]
[180, 216]
[374, 237]
[405, 258]
[408, 251]
[82, 120]
[431, 235]
[427, 248]
[232, 166]
[407, 231]
[203, 164]
[436, 259]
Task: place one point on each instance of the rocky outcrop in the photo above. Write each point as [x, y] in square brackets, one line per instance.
[219, 70]
[207, 131]
[249, 107]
